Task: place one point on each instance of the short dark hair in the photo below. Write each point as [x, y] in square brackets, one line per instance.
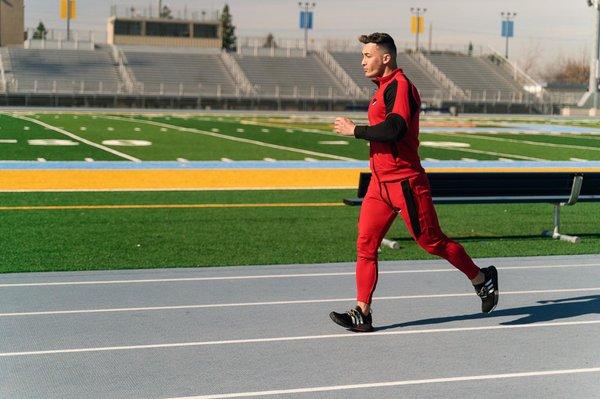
[383, 40]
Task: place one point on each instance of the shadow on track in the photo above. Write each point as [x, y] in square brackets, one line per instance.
[546, 311]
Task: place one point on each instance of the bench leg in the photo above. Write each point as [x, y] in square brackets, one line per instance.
[556, 233]
[390, 244]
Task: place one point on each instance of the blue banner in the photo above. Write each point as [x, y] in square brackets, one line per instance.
[306, 20]
[508, 28]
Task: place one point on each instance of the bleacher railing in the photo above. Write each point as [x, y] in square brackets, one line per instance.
[65, 87]
[60, 44]
[124, 72]
[240, 78]
[2, 75]
[453, 90]
[520, 76]
[339, 72]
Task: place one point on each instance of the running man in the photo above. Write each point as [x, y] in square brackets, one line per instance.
[398, 185]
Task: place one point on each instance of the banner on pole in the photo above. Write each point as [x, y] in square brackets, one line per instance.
[306, 20]
[508, 28]
[72, 13]
[417, 23]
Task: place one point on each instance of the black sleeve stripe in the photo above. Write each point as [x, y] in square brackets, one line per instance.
[412, 102]
[389, 96]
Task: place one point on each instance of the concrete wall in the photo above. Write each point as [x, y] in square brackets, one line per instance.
[12, 23]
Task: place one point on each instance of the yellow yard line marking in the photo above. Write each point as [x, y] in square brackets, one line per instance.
[170, 206]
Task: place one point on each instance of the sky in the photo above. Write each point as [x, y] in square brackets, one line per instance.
[545, 30]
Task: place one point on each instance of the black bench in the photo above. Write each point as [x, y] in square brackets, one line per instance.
[558, 188]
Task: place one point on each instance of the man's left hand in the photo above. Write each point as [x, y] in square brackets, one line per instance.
[344, 126]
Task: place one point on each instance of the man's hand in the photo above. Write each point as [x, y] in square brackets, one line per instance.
[344, 126]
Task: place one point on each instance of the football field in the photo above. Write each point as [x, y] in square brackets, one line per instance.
[94, 190]
[98, 137]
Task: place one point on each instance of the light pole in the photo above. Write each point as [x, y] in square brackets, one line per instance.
[594, 72]
[507, 27]
[307, 22]
[417, 12]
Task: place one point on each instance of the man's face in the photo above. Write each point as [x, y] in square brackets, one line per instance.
[374, 60]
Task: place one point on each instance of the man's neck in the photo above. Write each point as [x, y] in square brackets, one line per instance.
[388, 70]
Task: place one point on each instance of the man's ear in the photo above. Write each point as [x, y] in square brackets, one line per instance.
[387, 58]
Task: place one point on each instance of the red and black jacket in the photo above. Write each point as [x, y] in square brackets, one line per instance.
[393, 128]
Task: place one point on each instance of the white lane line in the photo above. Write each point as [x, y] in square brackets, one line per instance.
[231, 138]
[394, 383]
[301, 338]
[81, 139]
[268, 276]
[273, 303]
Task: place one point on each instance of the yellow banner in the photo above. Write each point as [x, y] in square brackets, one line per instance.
[417, 24]
[72, 14]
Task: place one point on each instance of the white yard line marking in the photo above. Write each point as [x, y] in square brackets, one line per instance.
[89, 159]
[334, 142]
[496, 154]
[275, 303]
[302, 338]
[287, 129]
[81, 139]
[394, 383]
[232, 138]
[269, 276]
[8, 141]
[528, 142]
[41, 159]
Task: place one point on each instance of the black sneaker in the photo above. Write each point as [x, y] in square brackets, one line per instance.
[488, 290]
[354, 320]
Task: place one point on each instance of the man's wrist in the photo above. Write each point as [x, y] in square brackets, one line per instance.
[360, 131]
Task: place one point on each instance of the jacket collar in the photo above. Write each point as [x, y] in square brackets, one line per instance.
[384, 79]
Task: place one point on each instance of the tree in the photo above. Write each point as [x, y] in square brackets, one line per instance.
[270, 41]
[530, 61]
[575, 70]
[166, 13]
[40, 32]
[227, 29]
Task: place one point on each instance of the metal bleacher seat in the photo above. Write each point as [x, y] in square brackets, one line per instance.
[290, 76]
[477, 76]
[173, 73]
[63, 71]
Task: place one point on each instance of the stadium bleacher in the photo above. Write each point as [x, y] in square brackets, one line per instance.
[180, 73]
[252, 72]
[63, 71]
[290, 76]
[477, 76]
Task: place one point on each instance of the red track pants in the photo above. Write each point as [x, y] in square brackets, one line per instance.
[412, 199]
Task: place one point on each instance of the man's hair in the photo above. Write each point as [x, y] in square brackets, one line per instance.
[383, 40]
